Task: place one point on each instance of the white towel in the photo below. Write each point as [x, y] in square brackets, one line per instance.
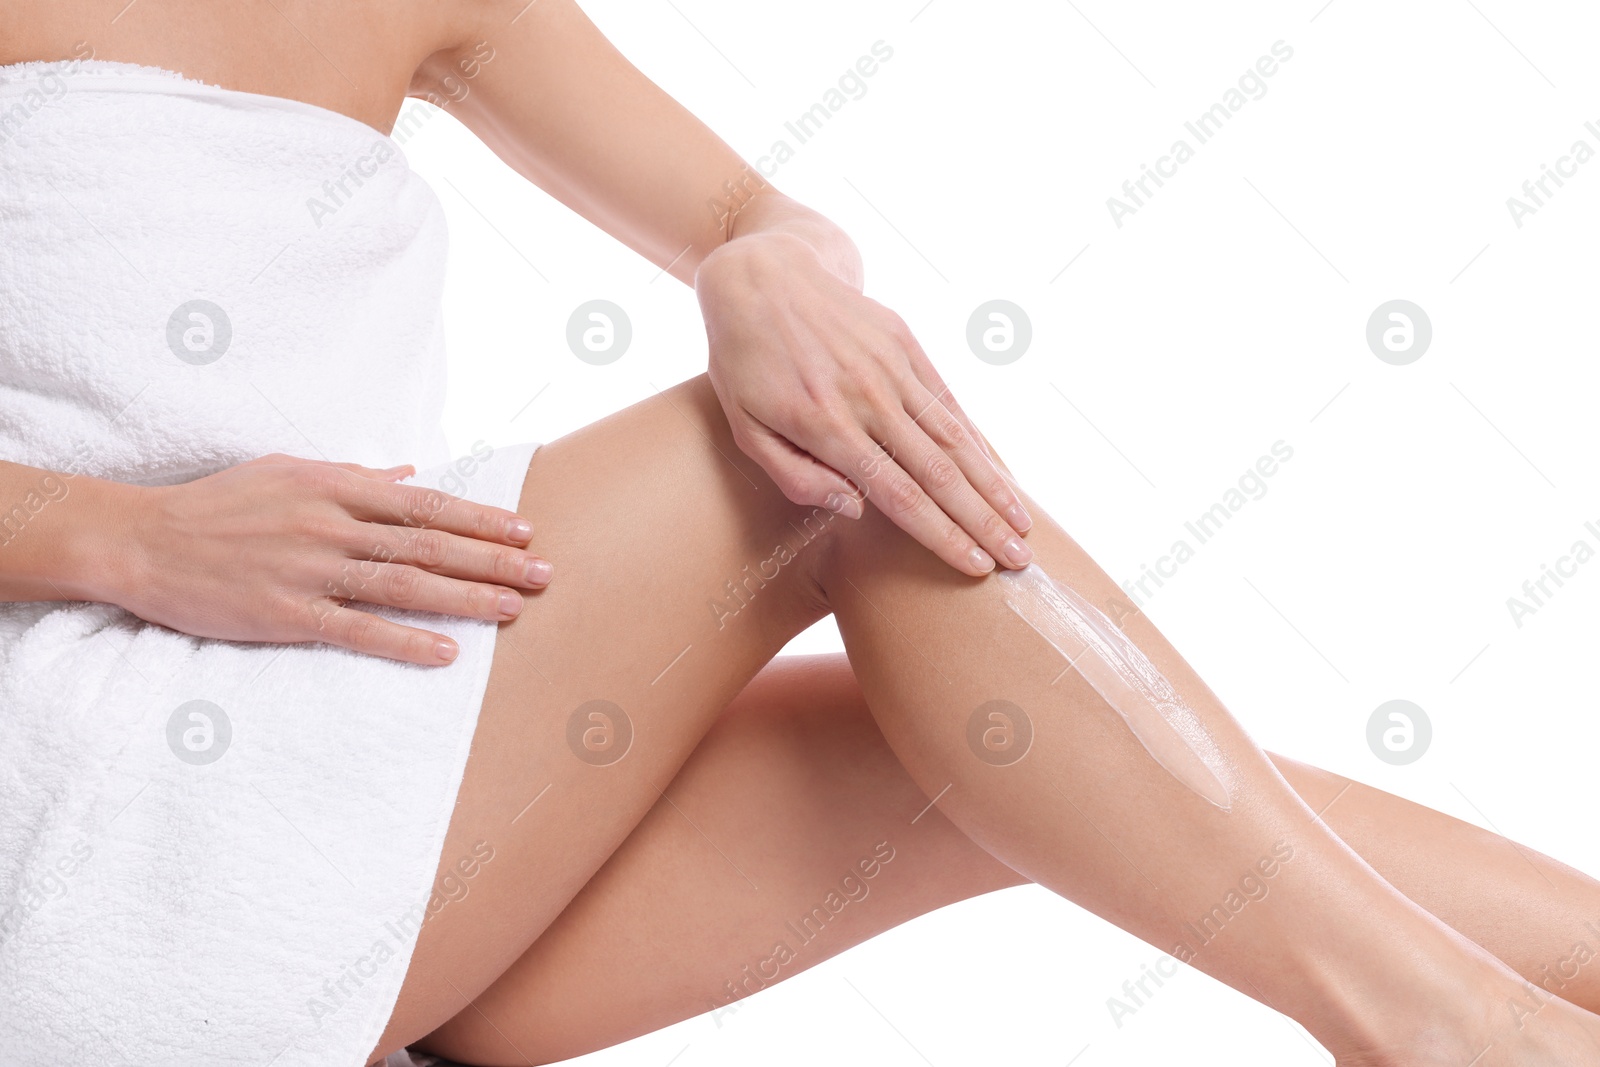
[191, 277]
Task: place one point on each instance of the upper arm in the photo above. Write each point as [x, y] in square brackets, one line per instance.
[549, 94]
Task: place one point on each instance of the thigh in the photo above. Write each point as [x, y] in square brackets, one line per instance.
[789, 835]
[680, 570]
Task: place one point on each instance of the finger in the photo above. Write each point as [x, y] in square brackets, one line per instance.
[938, 469]
[388, 474]
[420, 507]
[402, 586]
[931, 380]
[447, 554]
[799, 475]
[360, 631]
[978, 475]
[941, 418]
[908, 506]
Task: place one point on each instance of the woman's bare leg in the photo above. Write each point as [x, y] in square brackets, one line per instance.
[649, 513]
[1536, 914]
[777, 808]
[795, 785]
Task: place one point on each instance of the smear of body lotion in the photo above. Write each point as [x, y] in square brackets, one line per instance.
[1167, 727]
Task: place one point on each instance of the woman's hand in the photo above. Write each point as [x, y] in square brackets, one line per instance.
[274, 549]
[825, 387]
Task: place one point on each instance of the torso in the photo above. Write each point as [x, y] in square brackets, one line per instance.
[358, 57]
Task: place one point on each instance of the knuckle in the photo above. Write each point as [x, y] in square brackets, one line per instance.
[319, 529]
[888, 319]
[741, 436]
[343, 584]
[904, 497]
[316, 478]
[417, 645]
[817, 392]
[991, 527]
[425, 506]
[874, 460]
[939, 472]
[945, 429]
[362, 631]
[882, 396]
[837, 423]
[794, 487]
[956, 541]
[401, 584]
[298, 617]
[428, 548]
[489, 523]
[382, 549]
[508, 567]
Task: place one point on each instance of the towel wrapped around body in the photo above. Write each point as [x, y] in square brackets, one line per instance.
[215, 852]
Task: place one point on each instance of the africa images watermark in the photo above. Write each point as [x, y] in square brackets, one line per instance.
[1536, 592]
[1251, 485]
[743, 589]
[399, 935]
[41, 886]
[1552, 985]
[851, 85]
[1252, 886]
[337, 192]
[53, 86]
[355, 575]
[1535, 191]
[51, 488]
[737, 595]
[852, 888]
[1202, 128]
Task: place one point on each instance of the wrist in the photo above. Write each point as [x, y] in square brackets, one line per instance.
[773, 225]
[101, 547]
[750, 257]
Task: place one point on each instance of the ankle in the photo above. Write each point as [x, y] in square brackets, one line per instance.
[1435, 998]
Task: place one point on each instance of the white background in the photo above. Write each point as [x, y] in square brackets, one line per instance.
[1225, 315]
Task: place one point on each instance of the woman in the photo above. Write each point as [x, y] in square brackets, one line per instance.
[242, 823]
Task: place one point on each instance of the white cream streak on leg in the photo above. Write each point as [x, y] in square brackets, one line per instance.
[1119, 671]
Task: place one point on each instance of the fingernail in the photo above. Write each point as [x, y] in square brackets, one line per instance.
[510, 603]
[980, 560]
[539, 571]
[446, 650]
[519, 529]
[1017, 553]
[840, 504]
[1019, 518]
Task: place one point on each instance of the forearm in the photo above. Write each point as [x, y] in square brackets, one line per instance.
[55, 533]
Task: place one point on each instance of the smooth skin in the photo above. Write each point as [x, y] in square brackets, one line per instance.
[798, 756]
[1086, 813]
[814, 391]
